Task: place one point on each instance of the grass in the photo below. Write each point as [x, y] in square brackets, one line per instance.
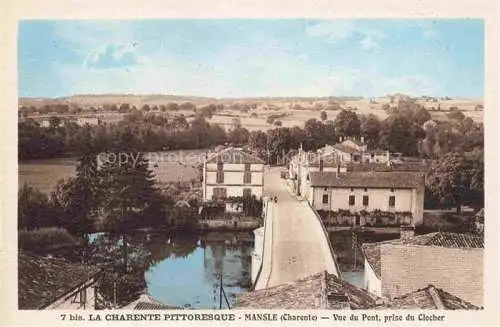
[45, 239]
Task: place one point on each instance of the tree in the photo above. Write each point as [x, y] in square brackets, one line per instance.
[277, 123]
[450, 179]
[455, 115]
[370, 129]
[421, 116]
[188, 106]
[397, 135]
[347, 124]
[130, 198]
[34, 209]
[323, 115]
[236, 123]
[145, 108]
[238, 136]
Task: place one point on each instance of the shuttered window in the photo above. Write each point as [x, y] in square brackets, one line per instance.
[365, 200]
[392, 201]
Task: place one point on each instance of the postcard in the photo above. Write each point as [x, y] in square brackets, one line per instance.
[229, 167]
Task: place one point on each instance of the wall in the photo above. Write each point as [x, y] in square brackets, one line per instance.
[372, 282]
[378, 199]
[407, 268]
[66, 302]
[257, 252]
[418, 206]
[233, 191]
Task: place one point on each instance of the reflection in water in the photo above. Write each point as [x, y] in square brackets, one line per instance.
[183, 269]
[191, 276]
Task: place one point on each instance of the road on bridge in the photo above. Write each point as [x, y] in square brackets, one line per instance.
[296, 250]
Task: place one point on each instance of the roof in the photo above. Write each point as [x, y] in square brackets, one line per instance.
[345, 148]
[403, 166]
[371, 251]
[393, 179]
[429, 297]
[355, 141]
[43, 280]
[317, 291]
[235, 156]
[329, 160]
[147, 302]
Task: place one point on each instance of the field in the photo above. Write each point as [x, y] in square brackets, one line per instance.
[171, 166]
[295, 111]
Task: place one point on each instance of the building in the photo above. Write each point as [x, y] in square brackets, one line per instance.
[450, 261]
[318, 291]
[55, 283]
[356, 151]
[232, 173]
[398, 194]
[91, 121]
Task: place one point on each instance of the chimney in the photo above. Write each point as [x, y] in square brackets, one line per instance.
[407, 232]
[321, 164]
[337, 173]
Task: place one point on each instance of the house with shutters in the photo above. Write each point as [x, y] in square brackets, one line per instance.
[232, 172]
[367, 198]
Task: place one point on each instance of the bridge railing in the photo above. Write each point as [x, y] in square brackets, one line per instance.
[263, 245]
[325, 232]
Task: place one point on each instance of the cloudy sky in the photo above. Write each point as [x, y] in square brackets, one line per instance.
[235, 58]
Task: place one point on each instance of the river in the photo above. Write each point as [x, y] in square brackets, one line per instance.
[183, 269]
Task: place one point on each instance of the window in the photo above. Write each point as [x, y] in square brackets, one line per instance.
[247, 192]
[219, 192]
[392, 190]
[392, 201]
[352, 200]
[352, 189]
[220, 172]
[325, 198]
[366, 190]
[365, 200]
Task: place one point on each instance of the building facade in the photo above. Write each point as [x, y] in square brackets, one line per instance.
[232, 173]
[367, 192]
[450, 261]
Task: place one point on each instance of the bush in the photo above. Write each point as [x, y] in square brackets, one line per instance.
[45, 238]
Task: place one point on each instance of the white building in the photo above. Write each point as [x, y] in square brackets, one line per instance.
[354, 150]
[450, 261]
[232, 173]
[394, 191]
[91, 121]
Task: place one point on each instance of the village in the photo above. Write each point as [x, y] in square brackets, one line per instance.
[250, 164]
[347, 185]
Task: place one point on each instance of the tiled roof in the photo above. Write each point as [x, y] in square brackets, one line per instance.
[428, 298]
[403, 166]
[146, 302]
[345, 148]
[234, 155]
[318, 291]
[442, 239]
[367, 179]
[329, 160]
[43, 280]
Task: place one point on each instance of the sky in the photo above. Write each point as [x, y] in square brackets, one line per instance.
[244, 58]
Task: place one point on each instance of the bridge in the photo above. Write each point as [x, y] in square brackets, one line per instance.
[293, 242]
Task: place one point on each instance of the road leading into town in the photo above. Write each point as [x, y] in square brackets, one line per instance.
[297, 248]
